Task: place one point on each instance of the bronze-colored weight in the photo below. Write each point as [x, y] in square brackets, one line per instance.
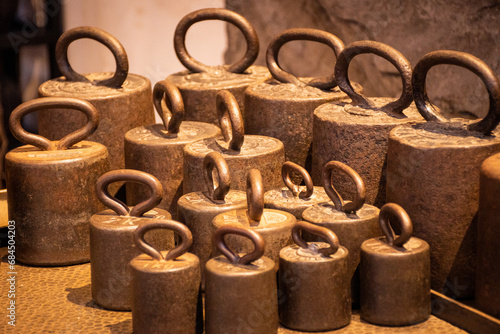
[395, 274]
[314, 282]
[241, 291]
[198, 209]
[112, 238]
[294, 198]
[353, 222]
[166, 294]
[274, 226]
[242, 152]
[51, 187]
[433, 172]
[200, 84]
[356, 133]
[158, 149]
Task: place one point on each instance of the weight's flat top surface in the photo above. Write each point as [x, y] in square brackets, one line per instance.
[297, 254]
[155, 134]
[108, 219]
[200, 201]
[380, 246]
[145, 263]
[326, 213]
[252, 145]
[29, 154]
[220, 265]
[271, 219]
[284, 196]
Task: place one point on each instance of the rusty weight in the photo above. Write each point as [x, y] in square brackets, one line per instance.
[200, 83]
[50, 187]
[433, 172]
[112, 238]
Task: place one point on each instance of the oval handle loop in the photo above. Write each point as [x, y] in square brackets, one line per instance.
[330, 190]
[323, 232]
[215, 14]
[49, 103]
[393, 211]
[289, 167]
[255, 196]
[230, 119]
[121, 59]
[173, 113]
[234, 258]
[131, 175]
[215, 160]
[297, 34]
[392, 55]
[465, 60]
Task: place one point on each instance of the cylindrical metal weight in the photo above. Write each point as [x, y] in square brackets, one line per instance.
[50, 187]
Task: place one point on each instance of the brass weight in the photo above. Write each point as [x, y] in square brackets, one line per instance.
[50, 187]
[200, 83]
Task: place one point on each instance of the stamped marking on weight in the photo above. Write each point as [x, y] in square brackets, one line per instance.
[218, 78]
[252, 145]
[379, 245]
[287, 90]
[297, 253]
[223, 264]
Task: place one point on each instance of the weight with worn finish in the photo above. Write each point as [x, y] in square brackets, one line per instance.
[356, 133]
[433, 172]
[395, 274]
[50, 187]
[112, 238]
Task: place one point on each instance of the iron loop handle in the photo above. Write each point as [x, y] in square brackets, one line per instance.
[230, 119]
[304, 34]
[391, 212]
[214, 160]
[215, 14]
[323, 232]
[255, 196]
[465, 60]
[289, 167]
[130, 175]
[121, 59]
[333, 194]
[173, 112]
[182, 247]
[256, 238]
[44, 103]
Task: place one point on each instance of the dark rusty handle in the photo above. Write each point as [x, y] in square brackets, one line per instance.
[131, 175]
[230, 119]
[172, 112]
[215, 160]
[44, 103]
[395, 57]
[183, 246]
[289, 167]
[215, 14]
[234, 258]
[307, 35]
[468, 61]
[393, 211]
[330, 190]
[99, 35]
[255, 196]
[323, 232]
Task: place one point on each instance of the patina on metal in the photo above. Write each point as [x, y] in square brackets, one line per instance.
[166, 294]
[241, 291]
[356, 133]
[242, 152]
[50, 187]
[158, 149]
[433, 171]
[395, 273]
[112, 238]
[200, 84]
[314, 282]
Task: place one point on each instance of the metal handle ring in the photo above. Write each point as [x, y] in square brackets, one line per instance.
[215, 160]
[289, 167]
[392, 55]
[255, 196]
[230, 119]
[332, 193]
[182, 230]
[289, 35]
[215, 14]
[130, 175]
[256, 238]
[61, 54]
[49, 103]
[392, 211]
[323, 232]
[173, 114]
[465, 60]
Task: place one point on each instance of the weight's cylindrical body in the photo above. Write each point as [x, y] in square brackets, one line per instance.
[433, 172]
[395, 282]
[314, 290]
[51, 198]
